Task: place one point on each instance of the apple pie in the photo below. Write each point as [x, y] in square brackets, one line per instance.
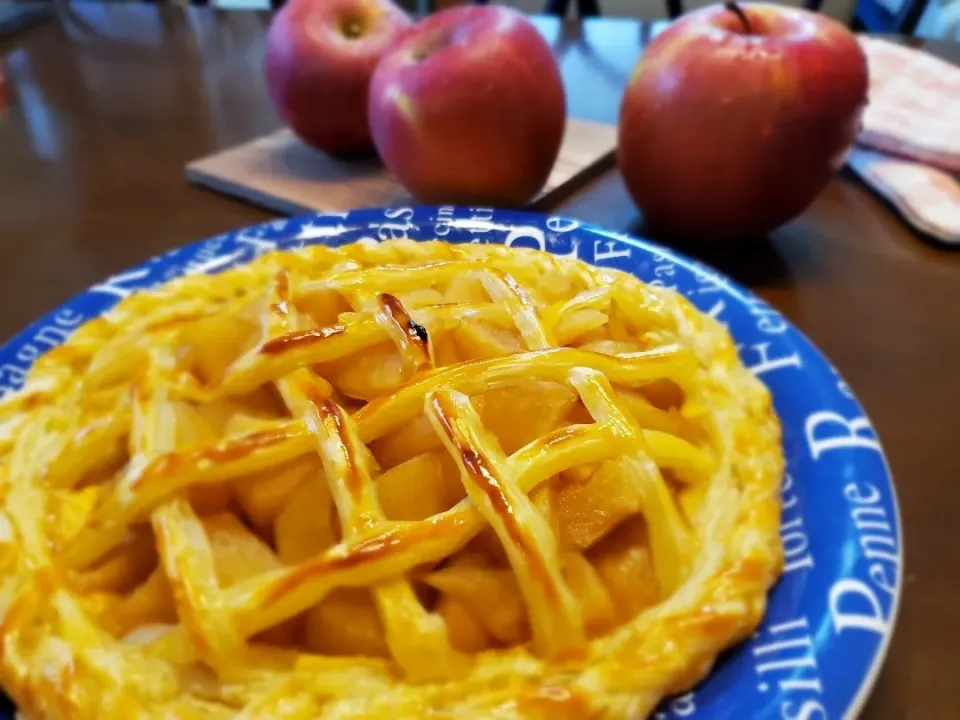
[396, 480]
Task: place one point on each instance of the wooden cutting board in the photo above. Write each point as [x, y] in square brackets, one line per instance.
[281, 173]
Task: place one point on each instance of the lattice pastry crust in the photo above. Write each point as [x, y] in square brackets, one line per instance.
[401, 480]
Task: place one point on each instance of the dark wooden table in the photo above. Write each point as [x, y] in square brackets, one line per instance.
[109, 102]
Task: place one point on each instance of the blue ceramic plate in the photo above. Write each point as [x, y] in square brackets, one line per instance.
[831, 616]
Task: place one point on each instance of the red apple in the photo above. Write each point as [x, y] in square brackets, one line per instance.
[320, 56]
[736, 117]
[469, 108]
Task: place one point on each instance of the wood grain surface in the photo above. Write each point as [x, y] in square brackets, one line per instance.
[281, 173]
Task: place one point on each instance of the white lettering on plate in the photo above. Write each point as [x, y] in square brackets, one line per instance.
[396, 230]
[766, 363]
[828, 430]
[309, 231]
[854, 602]
[796, 545]
[49, 335]
[122, 284]
[526, 232]
[599, 254]
[258, 244]
[441, 228]
[665, 270]
[876, 533]
[808, 710]
[682, 706]
[768, 319]
[561, 224]
[199, 266]
[480, 220]
[718, 307]
[785, 658]
[401, 213]
[709, 282]
[854, 605]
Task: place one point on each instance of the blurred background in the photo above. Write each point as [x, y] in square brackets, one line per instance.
[925, 18]
[933, 19]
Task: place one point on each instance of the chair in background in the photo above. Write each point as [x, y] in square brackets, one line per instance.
[842, 10]
[890, 16]
[939, 19]
[237, 4]
[900, 16]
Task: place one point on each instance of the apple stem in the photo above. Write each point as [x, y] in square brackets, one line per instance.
[738, 11]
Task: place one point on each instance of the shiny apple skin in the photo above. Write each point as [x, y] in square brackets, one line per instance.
[318, 74]
[724, 134]
[469, 108]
